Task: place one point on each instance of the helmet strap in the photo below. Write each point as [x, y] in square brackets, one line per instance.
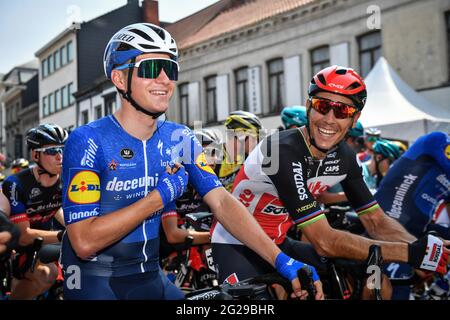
[41, 169]
[127, 96]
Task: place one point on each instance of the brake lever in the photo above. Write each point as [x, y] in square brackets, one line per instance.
[306, 280]
[36, 247]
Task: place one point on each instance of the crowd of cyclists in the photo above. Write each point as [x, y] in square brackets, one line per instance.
[115, 193]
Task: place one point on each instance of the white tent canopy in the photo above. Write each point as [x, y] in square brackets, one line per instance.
[397, 109]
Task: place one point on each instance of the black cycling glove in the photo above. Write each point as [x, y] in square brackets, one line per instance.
[427, 253]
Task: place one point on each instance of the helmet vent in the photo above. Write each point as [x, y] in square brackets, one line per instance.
[354, 85]
[341, 71]
[148, 46]
[322, 78]
[158, 31]
[142, 34]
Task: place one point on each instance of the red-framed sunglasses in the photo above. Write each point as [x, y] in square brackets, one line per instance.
[341, 110]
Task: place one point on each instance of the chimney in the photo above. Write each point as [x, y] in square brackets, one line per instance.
[150, 11]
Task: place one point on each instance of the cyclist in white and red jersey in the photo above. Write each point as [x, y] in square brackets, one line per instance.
[281, 178]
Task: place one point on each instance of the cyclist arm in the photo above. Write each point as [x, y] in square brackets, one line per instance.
[382, 227]
[4, 239]
[8, 233]
[236, 219]
[15, 194]
[331, 242]
[379, 225]
[4, 204]
[90, 235]
[28, 234]
[59, 216]
[175, 234]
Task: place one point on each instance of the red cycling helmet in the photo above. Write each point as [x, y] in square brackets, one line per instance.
[340, 80]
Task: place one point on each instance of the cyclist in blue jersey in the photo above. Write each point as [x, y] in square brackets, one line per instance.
[412, 189]
[417, 182]
[121, 172]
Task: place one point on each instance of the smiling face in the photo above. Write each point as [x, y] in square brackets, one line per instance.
[327, 130]
[151, 94]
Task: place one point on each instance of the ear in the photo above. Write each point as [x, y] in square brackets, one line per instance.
[34, 156]
[119, 79]
[307, 104]
[379, 158]
[355, 118]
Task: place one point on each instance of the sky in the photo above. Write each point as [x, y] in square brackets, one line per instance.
[27, 25]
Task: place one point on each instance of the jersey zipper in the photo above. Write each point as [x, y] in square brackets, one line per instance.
[144, 144]
[317, 172]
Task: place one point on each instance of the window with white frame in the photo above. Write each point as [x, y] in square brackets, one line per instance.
[57, 100]
[241, 76]
[369, 51]
[84, 117]
[211, 102]
[98, 112]
[184, 102]
[320, 58]
[276, 85]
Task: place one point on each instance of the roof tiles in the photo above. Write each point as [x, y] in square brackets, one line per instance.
[238, 16]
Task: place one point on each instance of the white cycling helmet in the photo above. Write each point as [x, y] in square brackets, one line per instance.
[134, 40]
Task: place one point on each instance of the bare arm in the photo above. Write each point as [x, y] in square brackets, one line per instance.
[93, 234]
[27, 234]
[175, 234]
[4, 204]
[59, 216]
[237, 220]
[4, 239]
[382, 227]
[336, 243]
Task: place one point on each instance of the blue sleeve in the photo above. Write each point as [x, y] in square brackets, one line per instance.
[435, 145]
[201, 175]
[81, 175]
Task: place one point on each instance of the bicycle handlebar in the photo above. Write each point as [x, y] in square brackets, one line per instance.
[375, 259]
[49, 253]
[36, 247]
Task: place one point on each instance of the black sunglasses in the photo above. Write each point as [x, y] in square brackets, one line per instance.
[151, 68]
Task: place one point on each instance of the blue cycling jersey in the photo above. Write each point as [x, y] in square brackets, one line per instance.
[416, 182]
[106, 169]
